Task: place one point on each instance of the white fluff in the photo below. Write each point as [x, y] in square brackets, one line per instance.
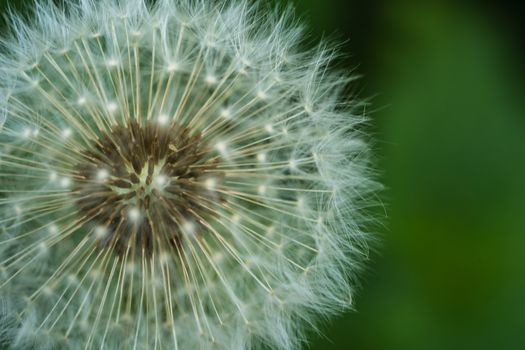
[286, 244]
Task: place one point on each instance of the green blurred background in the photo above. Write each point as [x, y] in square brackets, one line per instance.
[449, 87]
[448, 84]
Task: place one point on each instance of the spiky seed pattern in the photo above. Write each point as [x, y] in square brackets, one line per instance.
[174, 176]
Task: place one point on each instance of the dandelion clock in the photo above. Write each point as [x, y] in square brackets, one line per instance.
[174, 175]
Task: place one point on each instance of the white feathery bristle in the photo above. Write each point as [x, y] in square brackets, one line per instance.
[178, 175]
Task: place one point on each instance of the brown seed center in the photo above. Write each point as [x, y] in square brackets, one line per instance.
[142, 187]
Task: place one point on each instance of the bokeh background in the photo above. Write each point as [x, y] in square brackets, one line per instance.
[448, 113]
[447, 86]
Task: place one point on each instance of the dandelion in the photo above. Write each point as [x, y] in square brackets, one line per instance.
[175, 175]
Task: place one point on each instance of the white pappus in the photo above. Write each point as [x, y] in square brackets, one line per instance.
[175, 175]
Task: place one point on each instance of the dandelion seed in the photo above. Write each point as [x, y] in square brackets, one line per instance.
[178, 175]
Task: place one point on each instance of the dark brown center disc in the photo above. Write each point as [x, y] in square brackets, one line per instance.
[143, 187]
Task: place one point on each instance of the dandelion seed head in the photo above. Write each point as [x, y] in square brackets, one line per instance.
[179, 175]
